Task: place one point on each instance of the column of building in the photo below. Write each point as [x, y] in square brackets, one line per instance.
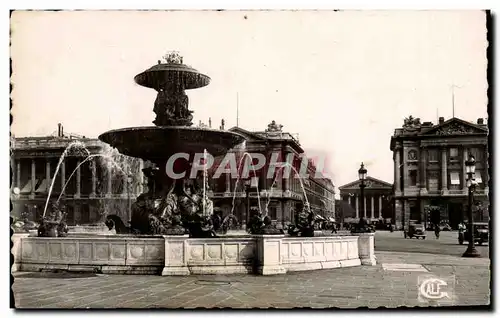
[423, 179]
[397, 170]
[357, 207]
[33, 178]
[423, 171]
[380, 215]
[464, 172]
[364, 207]
[78, 179]
[228, 183]
[397, 188]
[372, 214]
[47, 174]
[18, 174]
[485, 175]
[444, 172]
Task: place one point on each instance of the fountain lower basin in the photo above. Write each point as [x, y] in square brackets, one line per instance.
[181, 255]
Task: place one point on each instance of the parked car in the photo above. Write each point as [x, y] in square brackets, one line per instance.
[481, 234]
[415, 230]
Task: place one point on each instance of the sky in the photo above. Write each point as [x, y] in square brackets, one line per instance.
[343, 81]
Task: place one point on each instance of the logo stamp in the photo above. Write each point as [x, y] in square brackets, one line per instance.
[436, 290]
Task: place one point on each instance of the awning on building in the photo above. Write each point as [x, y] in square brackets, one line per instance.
[455, 178]
[43, 186]
[27, 187]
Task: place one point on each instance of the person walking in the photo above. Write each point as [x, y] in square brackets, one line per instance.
[437, 229]
[461, 230]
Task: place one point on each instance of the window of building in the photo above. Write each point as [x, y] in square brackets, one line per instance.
[433, 180]
[413, 177]
[273, 212]
[433, 155]
[412, 155]
[454, 178]
[453, 153]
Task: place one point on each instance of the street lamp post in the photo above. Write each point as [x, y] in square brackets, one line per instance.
[470, 168]
[362, 177]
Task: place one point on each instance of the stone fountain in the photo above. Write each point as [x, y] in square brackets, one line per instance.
[171, 206]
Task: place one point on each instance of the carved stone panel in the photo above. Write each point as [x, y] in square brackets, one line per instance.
[307, 249]
[214, 251]
[231, 251]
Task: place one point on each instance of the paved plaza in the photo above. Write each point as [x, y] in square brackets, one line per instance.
[371, 286]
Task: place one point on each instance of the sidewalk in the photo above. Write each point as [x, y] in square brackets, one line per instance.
[363, 286]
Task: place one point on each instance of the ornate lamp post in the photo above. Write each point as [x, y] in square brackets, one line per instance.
[362, 177]
[470, 168]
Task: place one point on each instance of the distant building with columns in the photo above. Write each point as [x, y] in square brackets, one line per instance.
[96, 186]
[429, 169]
[377, 196]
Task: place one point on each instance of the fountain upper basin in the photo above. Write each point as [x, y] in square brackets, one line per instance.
[159, 143]
[160, 75]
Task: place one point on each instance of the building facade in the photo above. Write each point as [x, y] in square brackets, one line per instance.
[429, 170]
[378, 203]
[91, 179]
[281, 195]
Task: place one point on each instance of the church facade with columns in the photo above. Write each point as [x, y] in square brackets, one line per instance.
[377, 201]
[429, 170]
[93, 187]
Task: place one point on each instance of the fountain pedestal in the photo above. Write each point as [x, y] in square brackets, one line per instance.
[268, 255]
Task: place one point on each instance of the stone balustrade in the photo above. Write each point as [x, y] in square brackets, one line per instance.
[181, 255]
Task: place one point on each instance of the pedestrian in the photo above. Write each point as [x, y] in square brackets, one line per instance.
[334, 228]
[437, 229]
[461, 230]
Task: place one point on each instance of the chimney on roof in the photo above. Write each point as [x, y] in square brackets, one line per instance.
[480, 121]
[60, 130]
[209, 122]
[441, 120]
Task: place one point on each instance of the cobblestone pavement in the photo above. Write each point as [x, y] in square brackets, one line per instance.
[370, 286]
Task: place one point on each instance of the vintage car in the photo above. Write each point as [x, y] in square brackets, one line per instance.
[481, 234]
[415, 230]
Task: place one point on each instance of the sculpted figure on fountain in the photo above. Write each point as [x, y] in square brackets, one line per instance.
[54, 223]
